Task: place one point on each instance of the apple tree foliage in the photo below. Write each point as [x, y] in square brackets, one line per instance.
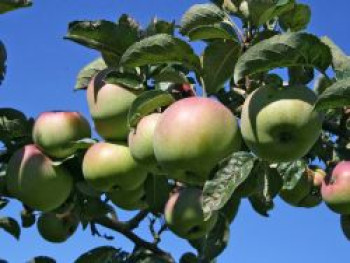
[244, 42]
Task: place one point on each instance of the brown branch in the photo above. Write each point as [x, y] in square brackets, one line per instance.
[136, 220]
[123, 229]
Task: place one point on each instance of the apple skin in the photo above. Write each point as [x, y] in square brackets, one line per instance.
[53, 132]
[184, 215]
[108, 166]
[129, 200]
[192, 136]
[56, 228]
[33, 179]
[279, 124]
[141, 140]
[109, 106]
[335, 190]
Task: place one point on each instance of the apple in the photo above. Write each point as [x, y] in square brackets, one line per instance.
[57, 228]
[55, 131]
[184, 215]
[279, 124]
[141, 140]
[109, 106]
[335, 189]
[36, 181]
[129, 200]
[108, 166]
[192, 136]
[319, 176]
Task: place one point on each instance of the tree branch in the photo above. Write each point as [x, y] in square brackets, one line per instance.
[124, 229]
[136, 220]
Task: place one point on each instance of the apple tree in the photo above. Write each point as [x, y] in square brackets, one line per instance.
[261, 110]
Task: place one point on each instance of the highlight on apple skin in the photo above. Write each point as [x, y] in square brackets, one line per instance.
[55, 131]
[192, 136]
[36, 181]
[336, 188]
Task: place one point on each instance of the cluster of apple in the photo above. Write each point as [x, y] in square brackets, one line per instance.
[183, 143]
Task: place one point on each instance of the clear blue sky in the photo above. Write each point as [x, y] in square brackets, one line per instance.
[41, 75]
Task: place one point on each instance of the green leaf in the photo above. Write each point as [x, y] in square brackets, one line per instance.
[86, 189]
[215, 242]
[218, 63]
[94, 208]
[10, 5]
[3, 57]
[102, 35]
[42, 259]
[259, 12]
[160, 27]
[13, 124]
[296, 19]
[231, 208]
[340, 61]
[291, 173]
[161, 48]
[27, 219]
[232, 172]
[300, 75]
[188, 257]
[83, 143]
[345, 225]
[269, 183]
[125, 79]
[102, 254]
[287, 50]
[3, 201]
[147, 103]
[88, 72]
[221, 30]
[201, 15]
[11, 226]
[171, 75]
[322, 83]
[156, 198]
[335, 96]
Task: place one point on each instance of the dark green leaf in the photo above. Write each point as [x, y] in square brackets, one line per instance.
[171, 75]
[259, 12]
[130, 24]
[157, 191]
[13, 124]
[42, 259]
[147, 103]
[322, 83]
[88, 72]
[3, 57]
[11, 226]
[103, 254]
[287, 50]
[340, 61]
[95, 208]
[160, 27]
[232, 172]
[300, 75]
[128, 80]
[219, 61]
[201, 15]
[3, 202]
[161, 48]
[188, 258]
[215, 242]
[231, 208]
[27, 218]
[9, 5]
[291, 173]
[221, 30]
[296, 19]
[345, 225]
[335, 96]
[102, 35]
[86, 189]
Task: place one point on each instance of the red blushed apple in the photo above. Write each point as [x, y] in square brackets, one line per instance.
[336, 189]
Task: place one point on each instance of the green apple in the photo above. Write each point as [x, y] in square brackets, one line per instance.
[335, 189]
[192, 136]
[129, 200]
[54, 132]
[109, 106]
[184, 215]
[141, 140]
[108, 166]
[279, 124]
[36, 181]
[57, 228]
